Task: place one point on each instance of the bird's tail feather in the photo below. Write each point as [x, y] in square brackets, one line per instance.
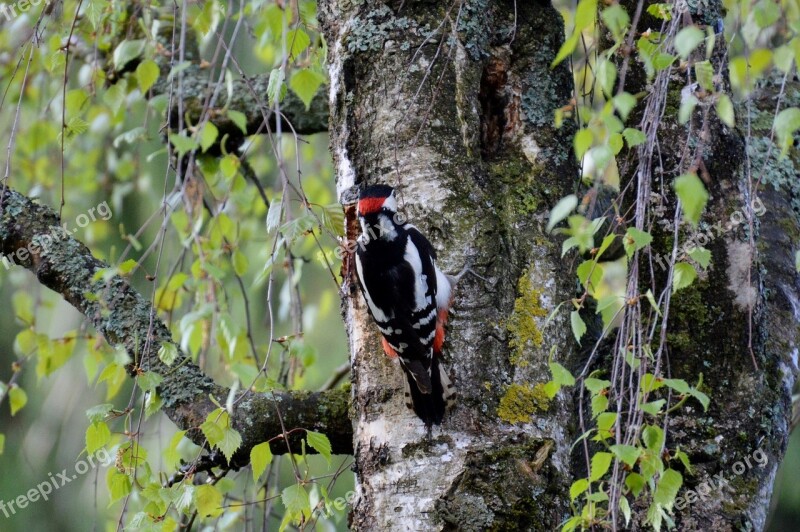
[432, 405]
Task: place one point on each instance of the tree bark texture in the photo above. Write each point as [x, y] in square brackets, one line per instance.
[737, 325]
[453, 103]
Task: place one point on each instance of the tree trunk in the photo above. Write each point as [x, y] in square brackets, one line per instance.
[454, 106]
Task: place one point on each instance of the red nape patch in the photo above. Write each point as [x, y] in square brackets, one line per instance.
[388, 349]
[370, 205]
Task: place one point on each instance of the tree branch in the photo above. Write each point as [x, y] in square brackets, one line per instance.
[123, 317]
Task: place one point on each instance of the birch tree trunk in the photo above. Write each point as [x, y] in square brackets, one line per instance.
[453, 105]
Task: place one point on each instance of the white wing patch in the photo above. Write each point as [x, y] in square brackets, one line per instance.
[377, 313]
[443, 289]
[420, 280]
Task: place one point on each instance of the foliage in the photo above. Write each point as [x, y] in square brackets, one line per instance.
[629, 457]
[187, 226]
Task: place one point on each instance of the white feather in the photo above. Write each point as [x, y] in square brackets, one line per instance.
[443, 289]
[420, 285]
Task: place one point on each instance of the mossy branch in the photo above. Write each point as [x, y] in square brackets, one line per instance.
[125, 319]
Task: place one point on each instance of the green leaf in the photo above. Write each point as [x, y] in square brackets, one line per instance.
[704, 73]
[590, 274]
[260, 458]
[305, 84]
[561, 375]
[654, 407]
[684, 459]
[168, 352]
[297, 41]
[563, 208]
[797, 260]
[633, 137]
[119, 484]
[599, 405]
[566, 49]
[624, 102]
[240, 263]
[667, 488]
[182, 143]
[211, 430]
[578, 326]
[616, 19]
[583, 141]
[2, 443]
[635, 482]
[725, 110]
[126, 52]
[295, 499]
[276, 88]
[784, 57]
[651, 383]
[651, 298]
[229, 165]
[578, 487]
[208, 500]
[99, 412]
[660, 11]
[702, 256]
[171, 455]
[688, 103]
[627, 454]
[596, 386]
[684, 276]
[605, 425]
[679, 385]
[97, 436]
[635, 239]
[320, 443]
[625, 508]
[585, 14]
[702, 398]
[219, 433]
[149, 381]
[146, 75]
[693, 196]
[786, 123]
[238, 118]
[127, 267]
[600, 463]
[22, 303]
[17, 399]
[606, 75]
[208, 136]
[231, 441]
[653, 437]
[94, 12]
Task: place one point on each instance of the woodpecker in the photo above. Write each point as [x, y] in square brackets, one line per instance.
[408, 297]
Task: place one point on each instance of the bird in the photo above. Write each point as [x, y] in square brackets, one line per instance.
[408, 297]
